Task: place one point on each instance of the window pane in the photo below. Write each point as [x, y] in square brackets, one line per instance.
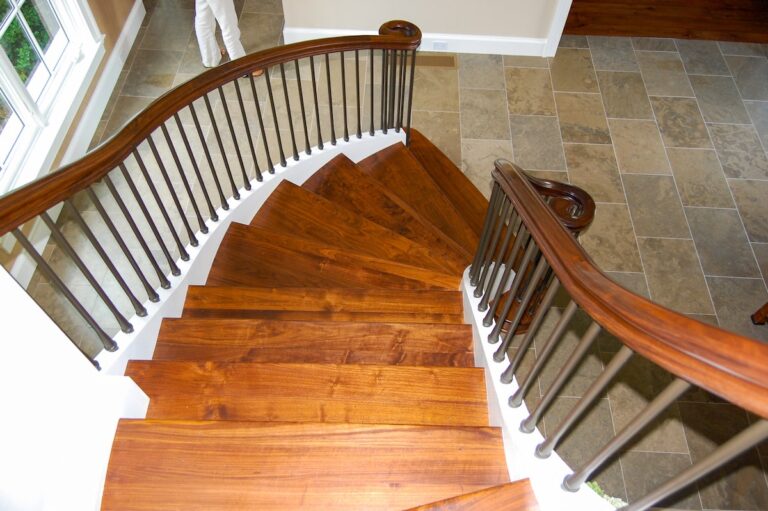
[20, 50]
[41, 20]
[5, 8]
[10, 128]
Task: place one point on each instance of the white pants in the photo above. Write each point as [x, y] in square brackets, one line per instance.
[207, 13]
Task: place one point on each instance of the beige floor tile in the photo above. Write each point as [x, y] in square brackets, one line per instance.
[169, 29]
[680, 122]
[701, 57]
[265, 6]
[645, 471]
[761, 254]
[639, 148]
[624, 95]
[721, 242]
[612, 53]
[735, 300]
[664, 74]
[653, 44]
[750, 73]
[443, 130]
[552, 175]
[740, 151]
[126, 107]
[260, 31]
[674, 275]
[593, 168]
[529, 91]
[743, 49]
[572, 71]
[483, 114]
[481, 71]
[152, 73]
[750, 200]
[634, 282]
[523, 61]
[536, 142]
[436, 89]
[719, 99]
[655, 206]
[758, 112]
[582, 118]
[573, 41]
[700, 178]
[610, 240]
[477, 157]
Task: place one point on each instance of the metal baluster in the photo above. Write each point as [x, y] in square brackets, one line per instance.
[511, 225]
[410, 100]
[521, 238]
[372, 129]
[595, 390]
[164, 282]
[303, 110]
[747, 439]
[211, 167]
[136, 195]
[151, 293]
[500, 222]
[541, 267]
[171, 189]
[344, 96]
[357, 94]
[542, 358]
[290, 113]
[485, 236]
[384, 55]
[330, 97]
[80, 221]
[530, 253]
[391, 90]
[182, 253]
[317, 105]
[668, 396]
[224, 158]
[62, 242]
[533, 328]
[529, 424]
[248, 135]
[274, 119]
[259, 115]
[401, 102]
[169, 142]
[57, 283]
[228, 117]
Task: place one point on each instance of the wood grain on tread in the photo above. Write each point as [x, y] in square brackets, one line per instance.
[403, 177]
[325, 304]
[307, 215]
[237, 340]
[258, 257]
[171, 465]
[343, 183]
[355, 394]
[515, 496]
[462, 193]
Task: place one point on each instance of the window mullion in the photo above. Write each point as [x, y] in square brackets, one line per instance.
[17, 94]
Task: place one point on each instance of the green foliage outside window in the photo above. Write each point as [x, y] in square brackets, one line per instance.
[17, 45]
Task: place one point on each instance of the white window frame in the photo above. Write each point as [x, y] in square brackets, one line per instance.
[47, 119]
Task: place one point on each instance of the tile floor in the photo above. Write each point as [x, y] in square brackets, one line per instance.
[668, 136]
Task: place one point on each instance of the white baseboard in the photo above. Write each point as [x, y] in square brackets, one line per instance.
[457, 43]
[89, 121]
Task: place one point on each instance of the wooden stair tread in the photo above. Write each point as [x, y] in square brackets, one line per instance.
[170, 465]
[233, 340]
[258, 257]
[330, 304]
[402, 175]
[462, 193]
[370, 394]
[304, 214]
[342, 182]
[514, 496]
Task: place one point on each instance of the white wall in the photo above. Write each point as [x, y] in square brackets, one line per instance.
[522, 27]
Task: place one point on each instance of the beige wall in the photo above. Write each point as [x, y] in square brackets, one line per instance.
[110, 16]
[506, 18]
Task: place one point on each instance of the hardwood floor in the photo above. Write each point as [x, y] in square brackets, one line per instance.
[730, 20]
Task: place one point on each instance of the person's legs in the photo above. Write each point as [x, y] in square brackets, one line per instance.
[205, 30]
[224, 11]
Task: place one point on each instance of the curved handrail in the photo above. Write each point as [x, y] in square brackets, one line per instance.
[724, 363]
[31, 200]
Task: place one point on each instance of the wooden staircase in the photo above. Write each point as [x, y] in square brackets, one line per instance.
[325, 365]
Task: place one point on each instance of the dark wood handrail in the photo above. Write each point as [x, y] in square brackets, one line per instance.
[726, 364]
[31, 200]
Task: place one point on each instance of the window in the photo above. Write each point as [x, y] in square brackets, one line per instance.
[47, 47]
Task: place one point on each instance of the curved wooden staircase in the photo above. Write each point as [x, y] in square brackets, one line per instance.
[337, 372]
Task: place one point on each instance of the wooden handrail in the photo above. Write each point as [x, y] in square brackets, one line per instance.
[31, 200]
[726, 364]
